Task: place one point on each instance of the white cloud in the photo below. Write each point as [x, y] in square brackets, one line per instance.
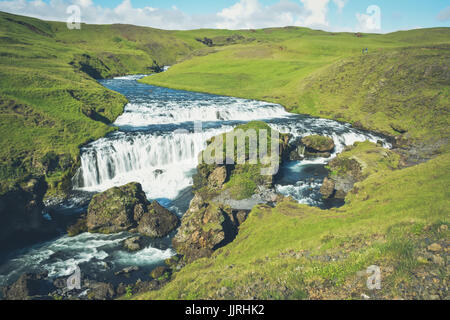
[250, 14]
[444, 15]
[370, 22]
[244, 14]
[316, 16]
[340, 4]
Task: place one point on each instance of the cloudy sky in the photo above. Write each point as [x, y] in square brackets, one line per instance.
[332, 15]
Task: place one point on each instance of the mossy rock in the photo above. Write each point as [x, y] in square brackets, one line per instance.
[113, 210]
[318, 143]
[79, 227]
[124, 208]
[160, 272]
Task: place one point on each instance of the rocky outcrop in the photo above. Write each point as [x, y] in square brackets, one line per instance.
[318, 146]
[355, 164]
[126, 208]
[224, 194]
[132, 244]
[157, 222]
[22, 214]
[347, 172]
[101, 291]
[205, 227]
[311, 146]
[327, 189]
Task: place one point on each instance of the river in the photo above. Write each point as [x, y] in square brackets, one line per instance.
[157, 146]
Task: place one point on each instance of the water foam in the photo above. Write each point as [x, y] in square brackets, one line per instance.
[162, 162]
[224, 109]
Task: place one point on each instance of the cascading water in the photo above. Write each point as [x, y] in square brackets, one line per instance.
[157, 145]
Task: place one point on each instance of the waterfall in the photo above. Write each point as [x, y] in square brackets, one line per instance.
[161, 162]
[224, 109]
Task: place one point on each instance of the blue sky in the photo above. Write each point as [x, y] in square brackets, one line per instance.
[332, 15]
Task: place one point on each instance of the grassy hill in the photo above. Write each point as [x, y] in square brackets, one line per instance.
[50, 102]
[400, 88]
[396, 218]
[294, 251]
[402, 81]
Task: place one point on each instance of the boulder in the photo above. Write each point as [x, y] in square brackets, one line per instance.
[297, 154]
[160, 272]
[101, 291]
[127, 271]
[205, 227]
[127, 208]
[21, 212]
[132, 244]
[157, 222]
[79, 227]
[316, 143]
[113, 210]
[217, 178]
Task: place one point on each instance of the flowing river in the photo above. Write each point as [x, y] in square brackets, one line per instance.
[157, 146]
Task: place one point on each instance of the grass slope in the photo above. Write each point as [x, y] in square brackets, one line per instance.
[294, 251]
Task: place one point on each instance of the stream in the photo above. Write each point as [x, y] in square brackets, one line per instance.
[156, 144]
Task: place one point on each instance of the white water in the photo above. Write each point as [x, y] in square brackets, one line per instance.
[60, 257]
[219, 109]
[162, 163]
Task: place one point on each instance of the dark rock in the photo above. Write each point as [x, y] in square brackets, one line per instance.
[157, 222]
[101, 291]
[317, 143]
[113, 210]
[206, 41]
[21, 212]
[145, 286]
[121, 289]
[217, 178]
[205, 227]
[79, 227]
[60, 283]
[297, 154]
[127, 270]
[29, 287]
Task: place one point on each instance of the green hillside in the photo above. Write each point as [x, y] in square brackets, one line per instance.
[50, 102]
[399, 88]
